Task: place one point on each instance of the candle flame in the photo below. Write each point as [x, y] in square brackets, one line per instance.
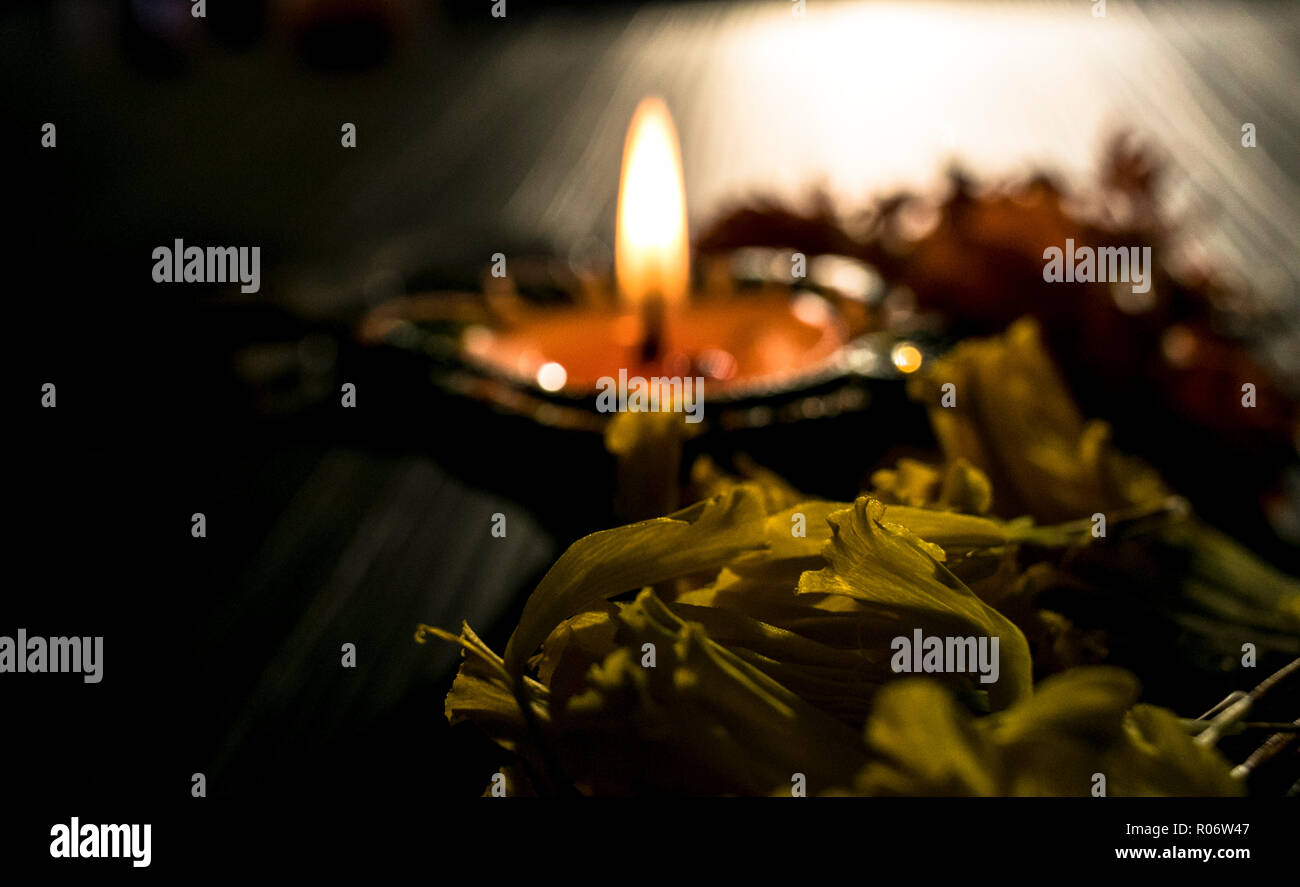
[651, 256]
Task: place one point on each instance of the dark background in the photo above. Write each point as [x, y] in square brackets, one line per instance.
[326, 525]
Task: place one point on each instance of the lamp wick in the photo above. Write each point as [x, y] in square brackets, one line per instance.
[652, 320]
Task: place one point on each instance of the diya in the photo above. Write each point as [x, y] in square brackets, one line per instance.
[770, 338]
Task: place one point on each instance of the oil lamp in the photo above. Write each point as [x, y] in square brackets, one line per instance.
[776, 337]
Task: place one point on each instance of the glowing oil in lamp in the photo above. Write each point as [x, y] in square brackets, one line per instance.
[656, 325]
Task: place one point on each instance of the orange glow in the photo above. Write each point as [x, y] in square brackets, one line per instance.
[651, 255]
[906, 357]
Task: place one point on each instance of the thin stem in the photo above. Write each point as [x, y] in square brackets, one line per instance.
[1272, 747]
[555, 782]
[1237, 710]
[1197, 725]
